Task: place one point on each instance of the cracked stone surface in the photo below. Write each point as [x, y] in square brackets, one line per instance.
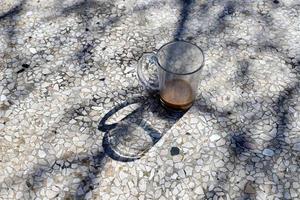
[65, 64]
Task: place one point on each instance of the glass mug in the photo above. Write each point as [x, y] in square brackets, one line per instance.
[178, 64]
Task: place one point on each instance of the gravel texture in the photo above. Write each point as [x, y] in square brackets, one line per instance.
[65, 64]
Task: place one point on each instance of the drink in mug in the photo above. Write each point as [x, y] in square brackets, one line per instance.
[177, 94]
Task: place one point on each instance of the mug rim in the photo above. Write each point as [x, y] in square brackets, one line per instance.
[178, 41]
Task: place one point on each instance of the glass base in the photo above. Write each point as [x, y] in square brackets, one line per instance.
[175, 107]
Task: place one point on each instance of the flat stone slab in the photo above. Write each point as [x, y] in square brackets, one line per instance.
[65, 66]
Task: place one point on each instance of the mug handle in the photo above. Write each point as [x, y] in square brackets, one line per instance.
[152, 59]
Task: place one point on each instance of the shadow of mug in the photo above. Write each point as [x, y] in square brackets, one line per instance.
[145, 121]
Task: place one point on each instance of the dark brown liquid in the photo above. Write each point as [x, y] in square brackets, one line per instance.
[177, 94]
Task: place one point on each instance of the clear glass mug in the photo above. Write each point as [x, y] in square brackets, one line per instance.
[178, 64]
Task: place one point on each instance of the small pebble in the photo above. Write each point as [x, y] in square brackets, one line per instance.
[174, 151]
[268, 152]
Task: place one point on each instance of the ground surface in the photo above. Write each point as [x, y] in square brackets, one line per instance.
[65, 64]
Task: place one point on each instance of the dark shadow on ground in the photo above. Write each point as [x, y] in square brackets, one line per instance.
[15, 10]
[8, 21]
[137, 120]
[84, 10]
[147, 104]
[97, 160]
[183, 18]
[240, 138]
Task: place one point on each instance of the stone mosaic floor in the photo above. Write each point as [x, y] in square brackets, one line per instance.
[65, 64]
